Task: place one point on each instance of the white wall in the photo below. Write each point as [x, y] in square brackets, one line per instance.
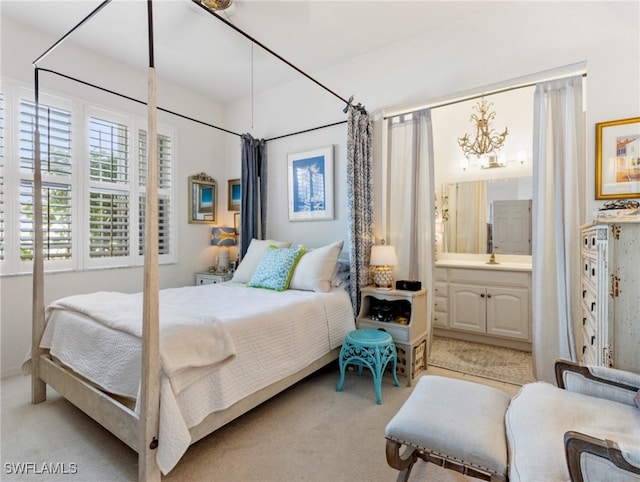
[198, 149]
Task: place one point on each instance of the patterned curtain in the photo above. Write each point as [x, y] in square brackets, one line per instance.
[359, 198]
[254, 191]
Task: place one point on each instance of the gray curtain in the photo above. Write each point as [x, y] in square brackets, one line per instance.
[254, 191]
[558, 212]
[359, 198]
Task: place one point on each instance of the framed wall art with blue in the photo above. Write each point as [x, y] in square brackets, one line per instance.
[310, 186]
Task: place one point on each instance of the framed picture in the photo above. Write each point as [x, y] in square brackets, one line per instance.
[618, 159]
[235, 195]
[203, 204]
[310, 186]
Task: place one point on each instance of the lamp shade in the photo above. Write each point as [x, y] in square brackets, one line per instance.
[383, 255]
[221, 236]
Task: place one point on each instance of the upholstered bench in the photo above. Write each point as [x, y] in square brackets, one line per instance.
[373, 349]
[445, 419]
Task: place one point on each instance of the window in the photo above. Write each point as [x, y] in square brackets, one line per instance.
[93, 165]
[109, 190]
[164, 191]
[56, 165]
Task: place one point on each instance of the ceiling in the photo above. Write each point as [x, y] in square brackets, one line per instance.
[196, 50]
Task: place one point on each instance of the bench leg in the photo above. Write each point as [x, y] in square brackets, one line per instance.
[395, 460]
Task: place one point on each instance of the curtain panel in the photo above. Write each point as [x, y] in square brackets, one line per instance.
[254, 191]
[558, 213]
[410, 223]
[359, 199]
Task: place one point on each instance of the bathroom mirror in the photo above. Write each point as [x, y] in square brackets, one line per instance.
[203, 192]
[478, 216]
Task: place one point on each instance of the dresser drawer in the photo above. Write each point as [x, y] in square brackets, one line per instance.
[589, 270]
[442, 274]
[589, 238]
[441, 289]
[441, 319]
[441, 304]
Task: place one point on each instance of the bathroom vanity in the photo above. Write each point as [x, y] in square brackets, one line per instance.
[486, 303]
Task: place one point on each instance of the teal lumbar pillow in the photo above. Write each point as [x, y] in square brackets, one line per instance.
[275, 268]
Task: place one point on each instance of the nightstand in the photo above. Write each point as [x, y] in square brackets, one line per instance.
[402, 314]
[211, 278]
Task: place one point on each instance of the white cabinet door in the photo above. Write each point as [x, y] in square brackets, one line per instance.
[508, 312]
[467, 307]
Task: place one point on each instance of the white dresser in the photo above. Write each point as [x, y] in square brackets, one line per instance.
[610, 285]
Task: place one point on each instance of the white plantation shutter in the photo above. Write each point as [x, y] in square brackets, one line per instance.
[108, 224]
[94, 169]
[56, 220]
[56, 165]
[109, 196]
[164, 190]
[55, 139]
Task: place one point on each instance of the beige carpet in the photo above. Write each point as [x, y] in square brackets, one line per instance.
[308, 433]
[495, 363]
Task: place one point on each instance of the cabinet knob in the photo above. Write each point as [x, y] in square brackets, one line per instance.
[584, 293]
[482, 295]
[593, 305]
[584, 320]
[593, 338]
[488, 296]
[584, 348]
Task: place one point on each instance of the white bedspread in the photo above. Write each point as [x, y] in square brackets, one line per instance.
[275, 334]
[188, 338]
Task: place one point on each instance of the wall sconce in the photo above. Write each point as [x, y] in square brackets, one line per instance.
[223, 237]
[383, 257]
[487, 141]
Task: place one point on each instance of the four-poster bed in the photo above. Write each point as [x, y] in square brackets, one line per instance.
[142, 420]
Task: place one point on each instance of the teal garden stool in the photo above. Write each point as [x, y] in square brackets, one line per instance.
[373, 349]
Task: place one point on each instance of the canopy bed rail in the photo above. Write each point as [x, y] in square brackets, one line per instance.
[139, 429]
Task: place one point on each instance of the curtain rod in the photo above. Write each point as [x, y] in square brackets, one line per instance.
[279, 57]
[473, 97]
[307, 130]
[62, 39]
[136, 100]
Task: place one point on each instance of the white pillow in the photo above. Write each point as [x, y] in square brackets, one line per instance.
[250, 261]
[315, 270]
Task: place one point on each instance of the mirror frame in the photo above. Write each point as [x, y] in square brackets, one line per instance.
[198, 184]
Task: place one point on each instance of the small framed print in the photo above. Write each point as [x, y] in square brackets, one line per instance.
[310, 185]
[235, 195]
[618, 159]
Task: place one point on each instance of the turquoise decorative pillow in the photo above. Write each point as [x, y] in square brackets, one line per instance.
[275, 269]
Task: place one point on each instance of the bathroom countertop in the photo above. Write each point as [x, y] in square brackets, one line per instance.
[472, 264]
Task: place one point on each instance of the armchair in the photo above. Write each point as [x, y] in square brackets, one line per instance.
[586, 428]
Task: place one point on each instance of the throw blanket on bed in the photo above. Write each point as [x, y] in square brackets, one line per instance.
[188, 339]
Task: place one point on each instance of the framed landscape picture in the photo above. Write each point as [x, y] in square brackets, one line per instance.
[618, 159]
[310, 186]
[235, 195]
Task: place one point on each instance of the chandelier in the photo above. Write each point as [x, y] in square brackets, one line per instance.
[216, 5]
[486, 141]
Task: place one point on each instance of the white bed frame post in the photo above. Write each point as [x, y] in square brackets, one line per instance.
[38, 386]
[150, 367]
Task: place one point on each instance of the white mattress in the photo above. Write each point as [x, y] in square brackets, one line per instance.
[275, 335]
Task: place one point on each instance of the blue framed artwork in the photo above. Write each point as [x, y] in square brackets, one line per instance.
[235, 195]
[310, 185]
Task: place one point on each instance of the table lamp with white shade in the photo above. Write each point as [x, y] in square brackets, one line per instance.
[223, 237]
[383, 257]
